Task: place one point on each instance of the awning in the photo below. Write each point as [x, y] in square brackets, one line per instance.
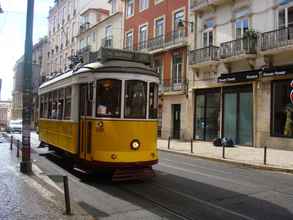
[277, 71]
[239, 76]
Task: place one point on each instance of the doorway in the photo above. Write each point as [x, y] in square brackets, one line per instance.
[176, 118]
[207, 115]
[238, 115]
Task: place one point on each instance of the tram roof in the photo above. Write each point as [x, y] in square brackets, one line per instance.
[110, 66]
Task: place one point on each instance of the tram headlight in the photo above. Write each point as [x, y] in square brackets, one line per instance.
[135, 144]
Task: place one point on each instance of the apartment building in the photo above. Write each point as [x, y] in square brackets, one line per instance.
[5, 112]
[240, 69]
[98, 29]
[160, 28]
[39, 72]
[66, 19]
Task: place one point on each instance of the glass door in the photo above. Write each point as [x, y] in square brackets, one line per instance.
[230, 116]
[207, 115]
[238, 115]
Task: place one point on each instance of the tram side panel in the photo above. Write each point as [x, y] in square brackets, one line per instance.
[61, 134]
[111, 141]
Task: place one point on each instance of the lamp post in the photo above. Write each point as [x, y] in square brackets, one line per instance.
[25, 164]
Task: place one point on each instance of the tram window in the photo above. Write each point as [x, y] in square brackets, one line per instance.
[46, 106]
[86, 99]
[108, 98]
[135, 99]
[67, 112]
[60, 104]
[50, 101]
[42, 106]
[54, 105]
[153, 102]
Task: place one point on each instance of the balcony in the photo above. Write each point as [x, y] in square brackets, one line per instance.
[163, 42]
[196, 5]
[167, 86]
[107, 42]
[204, 55]
[238, 48]
[276, 40]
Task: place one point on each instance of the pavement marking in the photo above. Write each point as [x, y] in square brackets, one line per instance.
[206, 203]
[39, 173]
[196, 166]
[208, 175]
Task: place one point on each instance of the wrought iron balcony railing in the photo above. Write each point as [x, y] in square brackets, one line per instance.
[107, 42]
[205, 54]
[162, 41]
[277, 38]
[246, 45]
[171, 85]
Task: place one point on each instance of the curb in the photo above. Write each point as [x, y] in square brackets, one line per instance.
[255, 166]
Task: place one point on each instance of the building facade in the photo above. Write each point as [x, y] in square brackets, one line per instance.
[159, 27]
[66, 20]
[240, 69]
[5, 113]
[38, 62]
[100, 28]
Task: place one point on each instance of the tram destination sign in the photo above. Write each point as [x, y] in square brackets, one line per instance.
[106, 54]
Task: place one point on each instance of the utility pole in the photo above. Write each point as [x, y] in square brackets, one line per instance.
[26, 164]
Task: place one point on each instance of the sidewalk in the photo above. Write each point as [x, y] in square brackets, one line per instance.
[30, 197]
[278, 160]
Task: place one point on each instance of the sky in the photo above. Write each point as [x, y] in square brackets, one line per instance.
[12, 36]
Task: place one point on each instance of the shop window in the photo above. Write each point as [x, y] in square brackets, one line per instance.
[108, 98]
[282, 109]
[135, 99]
[153, 101]
[67, 110]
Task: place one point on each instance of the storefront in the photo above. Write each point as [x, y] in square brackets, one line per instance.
[226, 111]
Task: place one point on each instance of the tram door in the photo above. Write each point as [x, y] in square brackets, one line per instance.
[85, 124]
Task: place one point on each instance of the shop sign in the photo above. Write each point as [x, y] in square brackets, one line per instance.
[238, 77]
[274, 73]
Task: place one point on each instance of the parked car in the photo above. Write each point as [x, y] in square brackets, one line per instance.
[14, 126]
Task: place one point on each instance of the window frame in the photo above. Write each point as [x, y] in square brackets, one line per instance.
[146, 99]
[146, 5]
[178, 79]
[67, 97]
[120, 100]
[208, 31]
[145, 41]
[155, 26]
[284, 7]
[272, 111]
[129, 47]
[127, 8]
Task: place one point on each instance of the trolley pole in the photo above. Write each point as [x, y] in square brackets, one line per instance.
[26, 164]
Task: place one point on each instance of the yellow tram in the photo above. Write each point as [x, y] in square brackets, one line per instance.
[104, 114]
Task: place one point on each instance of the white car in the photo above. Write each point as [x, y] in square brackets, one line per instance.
[14, 126]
